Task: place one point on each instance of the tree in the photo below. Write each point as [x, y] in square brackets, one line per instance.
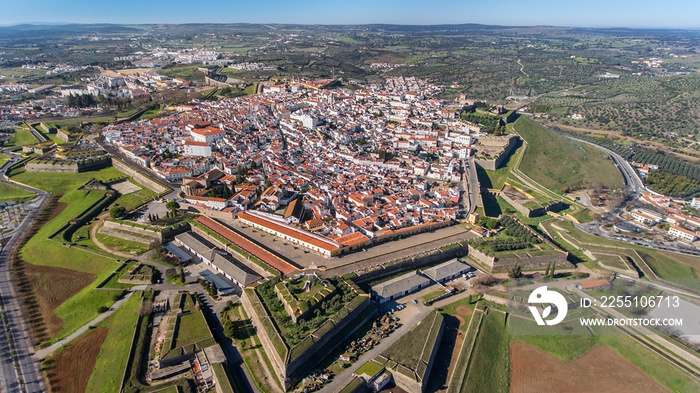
[551, 271]
[117, 212]
[515, 271]
[182, 275]
[172, 206]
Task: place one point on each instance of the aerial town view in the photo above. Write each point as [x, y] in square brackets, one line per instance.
[334, 197]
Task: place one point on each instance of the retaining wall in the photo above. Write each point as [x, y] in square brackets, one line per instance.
[140, 177]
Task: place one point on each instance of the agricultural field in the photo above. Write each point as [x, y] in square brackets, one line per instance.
[535, 371]
[622, 356]
[72, 309]
[111, 360]
[561, 164]
[69, 370]
[641, 107]
[544, 363]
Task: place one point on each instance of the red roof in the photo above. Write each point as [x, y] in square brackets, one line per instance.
[327, 245]
[269, 258]
[594, 284]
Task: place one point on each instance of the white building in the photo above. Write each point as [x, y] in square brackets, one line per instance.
[645, 217]
[194, 148]
[695, 203]
[207, 134]
[682, 233]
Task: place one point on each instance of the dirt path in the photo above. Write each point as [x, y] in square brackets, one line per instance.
[522, 68]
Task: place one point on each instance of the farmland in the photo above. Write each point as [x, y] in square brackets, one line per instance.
[114, 351]
[70, 369]
[636, 106]
[535, 371]
[623, 355]
[543, 363]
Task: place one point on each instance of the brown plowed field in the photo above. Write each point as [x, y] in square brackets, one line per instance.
[53, 286]
[71, 368]
[599, 370]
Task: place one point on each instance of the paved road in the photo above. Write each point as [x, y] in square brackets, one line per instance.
[632, 180]
[471, 186]
[24, 346]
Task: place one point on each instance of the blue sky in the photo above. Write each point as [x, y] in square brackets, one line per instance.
[593, 13]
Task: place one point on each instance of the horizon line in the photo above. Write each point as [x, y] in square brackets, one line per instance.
[39, 23]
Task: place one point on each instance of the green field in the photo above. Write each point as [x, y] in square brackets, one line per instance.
[664, 265]
[9, 193]
[489, 366]
[346, 39]
[111, 361]
[191, 326]
[40, 250]
[22, 137]
[61, 183]
[122, 245]
[558, 163]
[189, 72]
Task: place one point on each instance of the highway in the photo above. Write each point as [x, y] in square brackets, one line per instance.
[29, 370]
[632, 180]
[636, 187]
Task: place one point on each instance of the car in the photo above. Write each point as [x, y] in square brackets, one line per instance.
[414, 301]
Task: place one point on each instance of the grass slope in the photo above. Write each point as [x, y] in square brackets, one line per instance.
[10, 193]
[488, 368]
[557, 162]
[111, 361]
[41, 251]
